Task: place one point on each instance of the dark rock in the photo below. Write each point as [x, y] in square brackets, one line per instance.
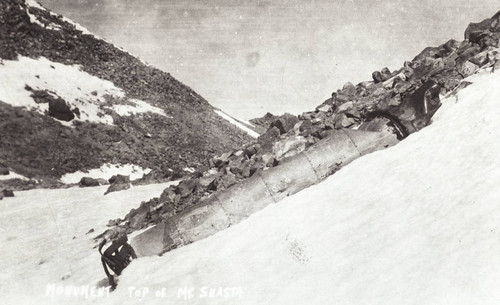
[268, 139]
[119, 179]
[88, 181]
[284, 123]
[475, 31]
[113, 222]
[251, 150]
[426, 53]
[222, 159]
[59, 109]
[385, 74]
[186, 187]
[377, 77]
[304, 128]
[137, 217]
[8, 193]
[116, 187]
[480, 59]
[4, 171]
[90, 231]
[467, 53]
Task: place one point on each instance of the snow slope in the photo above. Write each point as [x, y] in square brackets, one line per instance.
[414, 224]
[78, 88]
[106, 171]
[44, 240]
[241, 126]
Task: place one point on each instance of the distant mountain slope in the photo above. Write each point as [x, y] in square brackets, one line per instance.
[70, 101]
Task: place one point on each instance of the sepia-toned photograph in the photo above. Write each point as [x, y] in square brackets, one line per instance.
[280, 152]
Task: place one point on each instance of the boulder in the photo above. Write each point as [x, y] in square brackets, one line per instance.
[467, 68]
[169, 195]
[205, 181]
[285, 122]
[88, 181]
[251, 150]
[493, 56]
[345, 107]
[228, 180]
[378, 92]
[137, 217]
[268, 139]
[469, 52]
[385, 73]
[377, 77]
[4, 170]
[303, 128]
[8, 193]
[451, 83]
[342, 98]
[119, 179]
[186, 187]
[324, 108]
[59, 109]
[349, 89]
[342, 121]
[116, 187]
[222, 159]
[269, 160]
[236, 165]
[475, 31]
[480, 59]
[118, 183]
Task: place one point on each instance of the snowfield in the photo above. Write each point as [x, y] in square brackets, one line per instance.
[417, 223]
[106, 171]
[45, 242]
[76, 87]
[13, 175]
[231, 120]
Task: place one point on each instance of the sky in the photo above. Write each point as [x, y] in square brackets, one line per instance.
[250, 57]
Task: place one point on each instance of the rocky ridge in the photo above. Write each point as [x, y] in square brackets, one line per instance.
[409, 95]
[43, 147]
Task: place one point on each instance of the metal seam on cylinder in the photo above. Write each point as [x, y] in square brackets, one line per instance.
[353, 143]
[267, 187]
[223, 210]
[312, 166]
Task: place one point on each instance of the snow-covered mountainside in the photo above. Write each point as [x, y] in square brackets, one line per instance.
[415, 223]
[70, 101]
